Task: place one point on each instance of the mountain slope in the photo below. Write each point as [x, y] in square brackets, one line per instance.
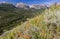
[44, 26]
[10, 16]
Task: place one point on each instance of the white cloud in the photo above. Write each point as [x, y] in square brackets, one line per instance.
[51, 2]
[3, 2]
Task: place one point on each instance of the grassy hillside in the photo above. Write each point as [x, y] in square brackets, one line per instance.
[44, 26]
[10, 16]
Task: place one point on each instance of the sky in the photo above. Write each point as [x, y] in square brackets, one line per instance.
[31, 1]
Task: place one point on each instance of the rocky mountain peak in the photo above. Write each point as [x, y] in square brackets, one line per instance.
[22, 5]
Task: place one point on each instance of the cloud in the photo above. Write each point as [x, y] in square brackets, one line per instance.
[51, 2]
[3, 2]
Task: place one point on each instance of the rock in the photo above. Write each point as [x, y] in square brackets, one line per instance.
[22, 5]
[38, 6]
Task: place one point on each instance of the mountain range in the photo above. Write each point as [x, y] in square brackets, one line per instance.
[12, 15]
[38, 24]
[33, 6]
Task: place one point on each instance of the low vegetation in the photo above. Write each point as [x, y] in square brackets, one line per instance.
[11, 16]
[44, 26]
